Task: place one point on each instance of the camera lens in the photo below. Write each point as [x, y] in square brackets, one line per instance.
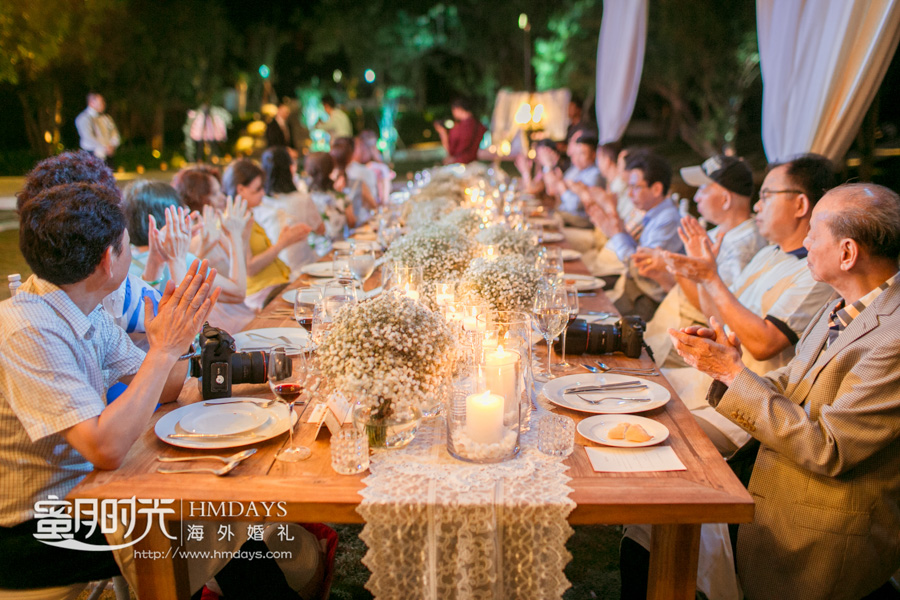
[249, 367]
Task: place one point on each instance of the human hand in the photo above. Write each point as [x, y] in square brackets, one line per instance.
[182, 311]
[651, 263]
[710, 350]
[209, 229]
[235, 217]
[524, 165]
[609, 223]
[701, 269]
[291, 234]
[693, 234]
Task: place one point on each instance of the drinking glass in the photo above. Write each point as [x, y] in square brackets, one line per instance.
[305, 305]
[340, 292]
[362, 263]
[556, 435]
[572, 304]
[551, 313]
[340, 261]
[349, 451]
[288, 372]
[552, 264]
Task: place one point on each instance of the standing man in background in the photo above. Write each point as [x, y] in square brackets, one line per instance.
[97, 131]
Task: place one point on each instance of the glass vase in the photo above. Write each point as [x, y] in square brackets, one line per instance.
[386, 424]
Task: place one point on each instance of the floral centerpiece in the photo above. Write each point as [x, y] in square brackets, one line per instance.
[392, 353]
[417, 213]
[442, 250]
[467, 220]
[507, 283]
[508, 241]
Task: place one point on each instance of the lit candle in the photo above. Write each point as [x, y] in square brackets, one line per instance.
[444, 294]
[472, 324]
[411, 293]
[500, 373]
[484, 417]
[490, 252]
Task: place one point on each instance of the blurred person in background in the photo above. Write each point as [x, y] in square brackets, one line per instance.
[338, 123]
[462, 141]
[350, 177]
[97, 131]
[334, 207]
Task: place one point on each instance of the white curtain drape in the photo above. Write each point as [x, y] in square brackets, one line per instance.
[620, 61]
[822, 62]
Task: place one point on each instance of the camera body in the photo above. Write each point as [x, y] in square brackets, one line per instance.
[625, 335]
[218, 365]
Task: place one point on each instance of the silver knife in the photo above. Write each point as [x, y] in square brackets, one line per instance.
[213, 436]
[624, 388]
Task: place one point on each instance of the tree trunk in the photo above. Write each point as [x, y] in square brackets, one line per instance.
[158, 134]
[32, 126]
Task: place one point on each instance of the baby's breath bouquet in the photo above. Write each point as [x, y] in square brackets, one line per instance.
[442, 250]
[508, 241]
[506, 283]
[467, 220]
[392, 353]
[417, 214]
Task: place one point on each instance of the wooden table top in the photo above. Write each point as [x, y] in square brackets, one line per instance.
[707, 492]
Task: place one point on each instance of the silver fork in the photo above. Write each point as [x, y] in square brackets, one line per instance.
[225, 459]
[626, 370]
[259, 403]
[620, 400]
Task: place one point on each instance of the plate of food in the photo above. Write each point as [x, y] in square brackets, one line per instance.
[623, 431]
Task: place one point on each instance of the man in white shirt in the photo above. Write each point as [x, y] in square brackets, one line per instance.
[338, 123]
[96, 129]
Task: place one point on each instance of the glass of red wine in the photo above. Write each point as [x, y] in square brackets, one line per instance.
[305, 306]
[288, 372]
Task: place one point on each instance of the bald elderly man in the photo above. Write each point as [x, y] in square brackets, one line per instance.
[826, 481]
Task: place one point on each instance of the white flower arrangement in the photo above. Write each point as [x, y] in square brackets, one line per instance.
[417, 214]
[508, 241]
[506, 283]
[467, 220]
[443, 251]
[390, 350]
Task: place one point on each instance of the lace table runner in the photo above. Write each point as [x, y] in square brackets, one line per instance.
[440, 528]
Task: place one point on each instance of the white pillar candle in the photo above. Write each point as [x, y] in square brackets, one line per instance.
[484, 417]
[410, 293]
[500, 373]
[472, 324]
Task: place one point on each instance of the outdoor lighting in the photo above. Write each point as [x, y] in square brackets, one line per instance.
[538, 114]
[337, 75]
[264, 71]
[48, 137]
[523, 21]
[155, 154]
[369, 76]
[505, 148]
[523, 115]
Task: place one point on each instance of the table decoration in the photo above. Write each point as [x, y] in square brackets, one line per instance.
[391, 353]
[418, 213]
[466, 220]
[507, 240]
[349, 452]
[508, 283]
[442, 251]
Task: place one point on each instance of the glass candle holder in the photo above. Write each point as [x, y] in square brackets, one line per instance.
[444, 292]
[406, 279]
[556, 435]
[349, 452]
[507, 332]
[491, 252]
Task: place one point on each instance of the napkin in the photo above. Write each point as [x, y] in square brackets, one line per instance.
[633, 460]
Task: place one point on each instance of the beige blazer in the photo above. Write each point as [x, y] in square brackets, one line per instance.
[827, 479]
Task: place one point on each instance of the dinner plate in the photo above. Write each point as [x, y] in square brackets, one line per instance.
[596, 429]
[224, 419]
[553, 236]
[368, 236]
[569, 254]
[318, 269]
[276, 423]
[362, 244]
[554, 389]
[270, 337]
[545, 221]
[584, 283]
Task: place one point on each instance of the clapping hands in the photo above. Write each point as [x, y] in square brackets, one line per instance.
[710, 350]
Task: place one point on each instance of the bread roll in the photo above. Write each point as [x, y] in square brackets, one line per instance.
[637, 434]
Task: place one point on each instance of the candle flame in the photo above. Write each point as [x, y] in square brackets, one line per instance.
[500, 351]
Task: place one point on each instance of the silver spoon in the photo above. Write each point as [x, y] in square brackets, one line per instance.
[591, 369]
[225, 459]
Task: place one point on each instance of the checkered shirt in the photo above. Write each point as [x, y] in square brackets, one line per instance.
[843, 315]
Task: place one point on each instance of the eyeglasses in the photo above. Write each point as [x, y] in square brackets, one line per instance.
[636, 186]
[765, 194]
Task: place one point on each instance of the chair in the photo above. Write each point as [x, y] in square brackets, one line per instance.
[67, 592]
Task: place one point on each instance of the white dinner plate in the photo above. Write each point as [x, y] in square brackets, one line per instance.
[319, 269]
[367, 236]
[553, 236]
[569, 254]
[276, 423]
[224, 419]
[544, 221]
[584, 283]
[597, 429]
[554, 389]
[362, 244]
[270, 337]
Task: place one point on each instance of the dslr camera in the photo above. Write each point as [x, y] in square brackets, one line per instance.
[625, 335]
[218, 366]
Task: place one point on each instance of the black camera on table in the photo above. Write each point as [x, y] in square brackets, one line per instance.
[625, 335]
[218, 365]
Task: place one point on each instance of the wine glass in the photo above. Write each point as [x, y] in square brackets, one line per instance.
[340, 262]
[572, 305]
[551, 313]
[288, 371]
[362, 263]
[305, 305]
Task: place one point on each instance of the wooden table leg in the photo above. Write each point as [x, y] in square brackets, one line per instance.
[161, 574]
[674, 550]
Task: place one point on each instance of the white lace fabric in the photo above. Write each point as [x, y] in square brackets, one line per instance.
[440, 528]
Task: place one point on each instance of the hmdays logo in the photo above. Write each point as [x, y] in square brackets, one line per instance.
[59, 520]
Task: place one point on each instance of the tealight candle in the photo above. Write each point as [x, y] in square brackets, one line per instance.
[444, 294]
[411, 293]
[491, 252]
[484, 417]
[500, 373]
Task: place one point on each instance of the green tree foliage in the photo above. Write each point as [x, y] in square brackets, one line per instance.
[567, 56]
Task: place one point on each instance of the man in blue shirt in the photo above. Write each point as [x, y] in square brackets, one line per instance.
[648, 177]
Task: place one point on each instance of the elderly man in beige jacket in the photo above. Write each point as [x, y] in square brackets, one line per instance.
[826, 480]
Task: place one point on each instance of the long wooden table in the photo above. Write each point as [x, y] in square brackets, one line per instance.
[676, 503]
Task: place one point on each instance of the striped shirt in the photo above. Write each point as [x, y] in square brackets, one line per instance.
[126, 306]
[56, 364]
[842, 315]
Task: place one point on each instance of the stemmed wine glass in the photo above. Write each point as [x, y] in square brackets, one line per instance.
[362, 263]
[552, 264]
[572, 305]
[551, 312]
[288, 372]
[305, 305]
